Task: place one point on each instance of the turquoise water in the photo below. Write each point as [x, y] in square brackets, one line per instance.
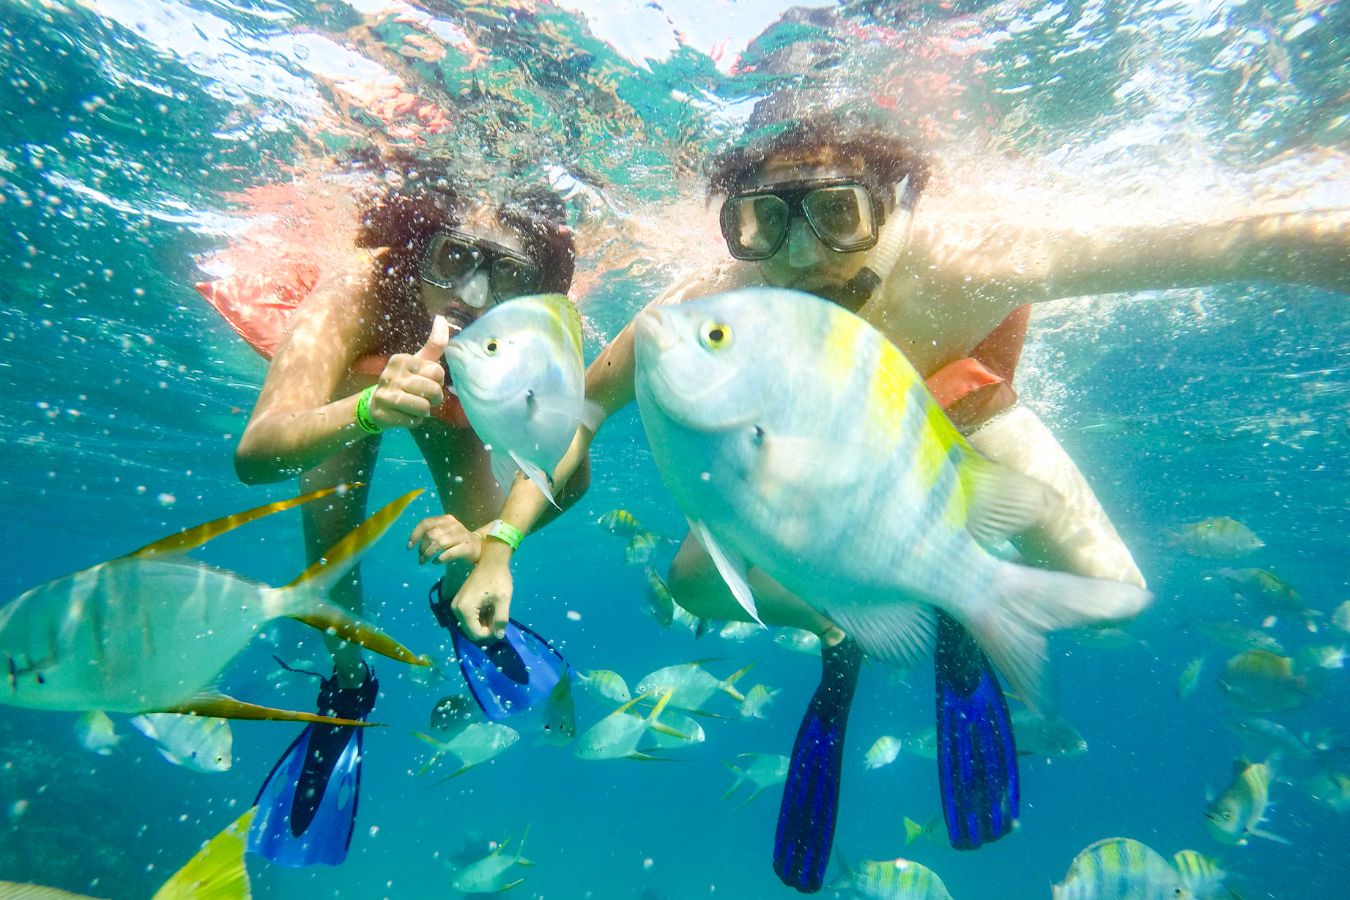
[133, 133]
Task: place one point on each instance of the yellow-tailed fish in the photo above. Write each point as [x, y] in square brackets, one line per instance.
[96, 733]
[152, 630]
[620, 522]
[603, 684]
[1120, 869]
[894, 879]
[797, 439]
[761, 770]
[640, 549]
[492, 874]
[660, 602]
[683, 731]
[1220, 537]
[1263, 682]
[200, 743]
[915, 830]
[883, 752]
[1236, 814]
[472, 746]
[1201, 874]
[697, 626]
[691, 685]
[1190, 677]
[216, 872]
[1238, 637]
[756, 699]
[1262, 738]
[519, 374]
[618, 734]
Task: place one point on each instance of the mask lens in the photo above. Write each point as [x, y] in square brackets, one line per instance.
[513, 278]
[754, 225]
[450, 261]
[841, 216]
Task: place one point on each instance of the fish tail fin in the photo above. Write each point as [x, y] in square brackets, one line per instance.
[913, 830]
[339, 559]
[305, 597]
[1028, 603]
[729, 682]
[217, 871]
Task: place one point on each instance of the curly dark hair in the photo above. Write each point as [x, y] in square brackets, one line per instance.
[421, 199]
[888, 158]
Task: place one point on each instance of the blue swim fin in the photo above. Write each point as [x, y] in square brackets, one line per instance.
[507, 675]
[801, 846]
[307, 805]
[976, 752]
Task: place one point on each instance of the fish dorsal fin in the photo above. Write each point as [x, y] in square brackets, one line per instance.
[217, 705]
[731, 570]
[191, 538]
[217, 871]
[340, 557]
[1001, 502]
[569, 317]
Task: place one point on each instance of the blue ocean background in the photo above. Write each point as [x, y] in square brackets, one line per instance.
[130, 129]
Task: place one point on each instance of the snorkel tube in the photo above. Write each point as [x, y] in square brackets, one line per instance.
[886, 252]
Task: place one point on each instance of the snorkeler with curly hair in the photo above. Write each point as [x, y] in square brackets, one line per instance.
[362, 355]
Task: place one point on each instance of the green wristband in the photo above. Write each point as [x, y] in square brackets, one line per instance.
[363, 419]
[507, 533]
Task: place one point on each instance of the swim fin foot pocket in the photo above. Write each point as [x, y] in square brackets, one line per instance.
[977, 755]
[806, 818]
[506, 675]
[307, 805]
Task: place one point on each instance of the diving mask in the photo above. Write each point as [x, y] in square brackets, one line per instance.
[452, 257]
[842, 212]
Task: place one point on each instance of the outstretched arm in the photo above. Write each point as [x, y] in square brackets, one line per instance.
[1305, 247]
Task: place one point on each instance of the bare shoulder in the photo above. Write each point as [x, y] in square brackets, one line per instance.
[713, 279]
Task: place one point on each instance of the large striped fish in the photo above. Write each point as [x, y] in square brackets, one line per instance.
[893, 879]
[519, 374]
[798, 440]
[151, 631]
[1120, 869]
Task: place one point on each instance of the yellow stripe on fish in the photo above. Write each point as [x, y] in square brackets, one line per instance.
[839, 351]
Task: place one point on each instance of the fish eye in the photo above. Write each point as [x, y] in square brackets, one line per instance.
[715, 335]
[491, 346]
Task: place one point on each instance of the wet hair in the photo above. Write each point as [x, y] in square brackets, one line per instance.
[886, 158]
[420, 199]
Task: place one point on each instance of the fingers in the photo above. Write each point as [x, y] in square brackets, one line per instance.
[469, 620]
[501, 614]
[434, 348]
[443, 538]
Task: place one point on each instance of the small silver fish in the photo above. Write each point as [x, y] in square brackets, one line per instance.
[199, 743]
[691, 685]
[739, 631]
[490, 874]
[618, 734]
[761, 770]
[797, 640]
[1050, 737]
[473, 746]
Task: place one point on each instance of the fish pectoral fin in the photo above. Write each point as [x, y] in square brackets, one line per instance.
[898, 634]
[730, 568]
[194, 537]
[222, 707]
[538, 477]
[1262, 833]
[1002, 502]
